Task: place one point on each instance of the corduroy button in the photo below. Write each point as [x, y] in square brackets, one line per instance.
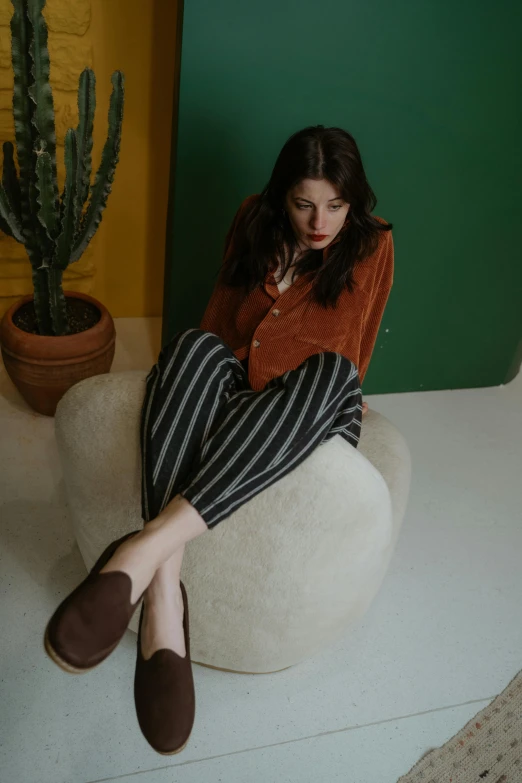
[256, 343]
[275, 312]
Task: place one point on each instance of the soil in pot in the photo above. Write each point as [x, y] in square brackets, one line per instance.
[81, 315]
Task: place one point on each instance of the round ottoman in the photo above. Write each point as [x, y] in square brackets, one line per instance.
[284, 575]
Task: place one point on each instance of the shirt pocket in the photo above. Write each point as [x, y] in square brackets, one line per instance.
[330, 329]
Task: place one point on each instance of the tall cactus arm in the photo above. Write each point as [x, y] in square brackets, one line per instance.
[40, 91]
[10, 180]
[10, 197]
[69, 216]
[86, 108]
[25, 132]
[8, 218]
[41, 297]
[47, 214]
[105, 174]
[68, 222]
[4, 226]
[58, 303]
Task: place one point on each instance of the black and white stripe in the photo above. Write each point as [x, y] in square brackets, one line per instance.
[205, 434]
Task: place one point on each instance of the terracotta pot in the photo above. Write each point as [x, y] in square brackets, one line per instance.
[43, 368]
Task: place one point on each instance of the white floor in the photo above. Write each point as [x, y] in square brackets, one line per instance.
[443, 637]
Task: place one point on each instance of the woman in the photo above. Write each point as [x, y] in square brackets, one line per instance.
[233, 406]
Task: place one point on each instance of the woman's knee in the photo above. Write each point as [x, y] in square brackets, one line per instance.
[192, 343]
[188, 339]
[345, 369]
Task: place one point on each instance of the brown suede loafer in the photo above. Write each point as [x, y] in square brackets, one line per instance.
[89, 623]
[164, 693]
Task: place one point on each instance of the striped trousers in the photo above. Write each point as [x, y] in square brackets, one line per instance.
[207, 435]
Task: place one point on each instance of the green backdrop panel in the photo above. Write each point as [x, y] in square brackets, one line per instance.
[430, 91]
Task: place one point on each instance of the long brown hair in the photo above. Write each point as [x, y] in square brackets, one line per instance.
[263, 230]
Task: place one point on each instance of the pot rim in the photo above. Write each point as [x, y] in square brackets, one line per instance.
[99, 326]
[48, 347]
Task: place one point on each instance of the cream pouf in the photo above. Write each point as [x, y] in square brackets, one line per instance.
[283, 576]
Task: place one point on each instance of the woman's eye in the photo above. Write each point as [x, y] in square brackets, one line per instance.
[307, 206]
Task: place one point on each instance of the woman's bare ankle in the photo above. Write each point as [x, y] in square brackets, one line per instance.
[138, 557]
[163, 617]
[179, 522]
[159, 541]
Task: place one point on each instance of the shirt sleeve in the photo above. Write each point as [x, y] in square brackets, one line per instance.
[217, 306]
[377, 304]
[222, 299]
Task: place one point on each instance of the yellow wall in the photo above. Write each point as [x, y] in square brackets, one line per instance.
[136, 36]
[123, 266]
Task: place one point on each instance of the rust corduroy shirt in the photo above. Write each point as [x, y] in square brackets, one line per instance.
[278, 331]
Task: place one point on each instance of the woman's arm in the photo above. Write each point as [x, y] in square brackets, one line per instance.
[377, 304]
[223, 298]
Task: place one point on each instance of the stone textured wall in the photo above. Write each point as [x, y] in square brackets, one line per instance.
[70, 48]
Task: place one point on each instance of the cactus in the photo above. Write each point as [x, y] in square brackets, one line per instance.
[55, 228]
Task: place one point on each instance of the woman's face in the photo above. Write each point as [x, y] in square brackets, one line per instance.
[316, 212]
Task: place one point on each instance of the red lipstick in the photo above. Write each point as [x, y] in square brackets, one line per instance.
[317, 237]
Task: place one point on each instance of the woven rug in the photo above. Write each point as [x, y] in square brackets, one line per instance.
[487, 750]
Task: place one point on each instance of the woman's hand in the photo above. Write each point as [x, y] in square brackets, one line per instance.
[364, 408]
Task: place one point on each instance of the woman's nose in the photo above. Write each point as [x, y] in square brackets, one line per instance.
[318, 222]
